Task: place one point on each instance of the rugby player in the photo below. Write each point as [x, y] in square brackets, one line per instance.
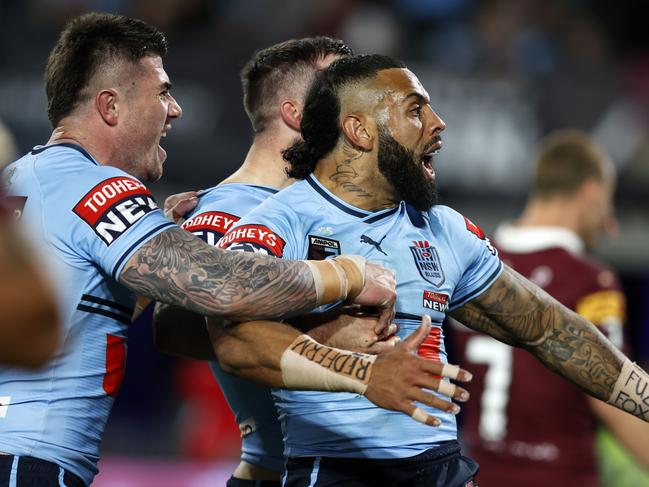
[367, 186]
[109, 102]
[527, 426]
[275, 81]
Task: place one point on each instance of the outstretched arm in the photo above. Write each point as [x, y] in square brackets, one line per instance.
[279, 356]
[178, 268]
[518, 312]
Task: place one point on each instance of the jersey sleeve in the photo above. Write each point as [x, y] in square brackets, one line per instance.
[605, 305]
[105, 215]
[268, 229]
[477, 258]
[209, 221]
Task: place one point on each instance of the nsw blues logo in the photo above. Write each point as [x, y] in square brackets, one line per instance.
[428, 262]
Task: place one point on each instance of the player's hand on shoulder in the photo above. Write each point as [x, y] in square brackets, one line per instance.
[400, 378]
[178, 205]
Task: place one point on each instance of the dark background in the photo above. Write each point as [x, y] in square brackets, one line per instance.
[501, 73]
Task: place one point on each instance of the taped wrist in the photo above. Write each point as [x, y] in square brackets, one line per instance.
[337, 279]
[309, 365]
[631, 391]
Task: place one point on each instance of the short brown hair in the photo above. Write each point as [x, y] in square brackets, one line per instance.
[565, 161]
[88, 42]
[271, 69]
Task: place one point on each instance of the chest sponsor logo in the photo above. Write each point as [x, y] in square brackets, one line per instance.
[428, 262]
[320, 248]
[435, 301]
[253, 238]
[114, 205]
[210, 226]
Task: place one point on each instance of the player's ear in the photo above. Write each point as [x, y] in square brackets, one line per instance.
[106, 104]
[358, 129]
[291, 115]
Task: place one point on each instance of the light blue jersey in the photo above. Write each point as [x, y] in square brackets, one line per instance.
[90, 218]
[441, 260]
[219, 208]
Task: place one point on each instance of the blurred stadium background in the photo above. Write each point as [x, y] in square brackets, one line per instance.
[501, 73]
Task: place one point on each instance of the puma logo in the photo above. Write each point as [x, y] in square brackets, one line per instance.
[377, 245]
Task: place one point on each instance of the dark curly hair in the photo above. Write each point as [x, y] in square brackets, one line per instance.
[88, 43]
[320, 124]
[271, 69]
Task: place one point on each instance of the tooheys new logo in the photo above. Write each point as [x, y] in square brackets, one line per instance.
[114, 205]
[210, 226]
[253, 238]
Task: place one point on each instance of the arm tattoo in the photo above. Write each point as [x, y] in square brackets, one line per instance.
[517, 312]
[176, 267]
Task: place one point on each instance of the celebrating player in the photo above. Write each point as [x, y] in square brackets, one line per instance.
[367, 186]
[275, 82]
[526, 426]
[110, 103]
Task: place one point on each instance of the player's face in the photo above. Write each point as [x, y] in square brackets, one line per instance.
[151, 108]
[409, 135]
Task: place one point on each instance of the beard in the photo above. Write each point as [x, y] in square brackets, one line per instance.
[403, 170]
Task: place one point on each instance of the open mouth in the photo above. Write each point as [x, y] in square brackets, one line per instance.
[427, 166]
[427, 159]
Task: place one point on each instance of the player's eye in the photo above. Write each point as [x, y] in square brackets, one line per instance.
[416, 110]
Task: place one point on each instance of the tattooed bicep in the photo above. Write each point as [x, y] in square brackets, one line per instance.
[513, 310]
[178, 268]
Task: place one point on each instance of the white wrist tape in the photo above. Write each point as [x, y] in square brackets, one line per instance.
[337, 279]
[631, 391]
[309, 365]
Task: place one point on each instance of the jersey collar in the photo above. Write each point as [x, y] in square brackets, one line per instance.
[364, 215]
[40, 148]
[521, 239]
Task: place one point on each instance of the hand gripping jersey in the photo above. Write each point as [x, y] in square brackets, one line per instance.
[218, 210]
[90, 219]
[524, 424]
[441, 262]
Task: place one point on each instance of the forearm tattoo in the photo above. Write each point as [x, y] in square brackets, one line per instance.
[176, 267]
[519, 313]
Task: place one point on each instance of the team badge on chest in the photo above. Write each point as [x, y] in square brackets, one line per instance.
[428, 262]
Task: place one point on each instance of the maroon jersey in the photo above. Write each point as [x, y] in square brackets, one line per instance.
[524, 424]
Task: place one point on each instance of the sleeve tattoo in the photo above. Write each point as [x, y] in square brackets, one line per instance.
[177, 268]
[519, 313]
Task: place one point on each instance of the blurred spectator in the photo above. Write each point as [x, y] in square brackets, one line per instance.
[525, 425]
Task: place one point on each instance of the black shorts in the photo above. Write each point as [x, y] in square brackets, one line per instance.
[443, 466]
[234, 482]
[32, 472]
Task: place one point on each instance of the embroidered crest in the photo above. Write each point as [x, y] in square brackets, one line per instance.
[428, 262]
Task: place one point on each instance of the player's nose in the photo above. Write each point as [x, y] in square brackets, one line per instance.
[174, 111]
